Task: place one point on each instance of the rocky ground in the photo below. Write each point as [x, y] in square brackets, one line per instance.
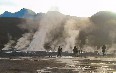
[65, 64]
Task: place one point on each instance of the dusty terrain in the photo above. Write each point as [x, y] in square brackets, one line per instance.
[65, 64]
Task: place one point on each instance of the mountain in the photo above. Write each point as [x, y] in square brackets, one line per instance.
[23, 13]
[102, 16]
[9, 27]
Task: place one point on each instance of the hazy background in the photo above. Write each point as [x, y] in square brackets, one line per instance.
[45, 25]
[81, 8]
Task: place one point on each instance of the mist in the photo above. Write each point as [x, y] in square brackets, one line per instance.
[48, 31]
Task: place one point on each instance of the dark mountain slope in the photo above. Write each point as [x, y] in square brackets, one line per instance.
[9, 27]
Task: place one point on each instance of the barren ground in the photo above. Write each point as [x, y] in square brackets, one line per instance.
[58, 65]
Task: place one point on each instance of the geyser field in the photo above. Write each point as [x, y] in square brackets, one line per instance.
[45, 32]
[58, 65]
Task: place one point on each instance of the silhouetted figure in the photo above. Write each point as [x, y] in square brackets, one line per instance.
[75, 51]
[59, 51]
[103, 49]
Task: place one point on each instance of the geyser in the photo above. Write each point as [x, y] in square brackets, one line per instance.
[52, 29]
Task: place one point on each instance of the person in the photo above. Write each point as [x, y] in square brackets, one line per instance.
[59, 51]
[103, 49]
[75, 51]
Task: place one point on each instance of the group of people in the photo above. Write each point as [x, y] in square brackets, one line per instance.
[76, 51]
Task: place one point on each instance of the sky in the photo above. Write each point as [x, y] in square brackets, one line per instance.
[81, 8]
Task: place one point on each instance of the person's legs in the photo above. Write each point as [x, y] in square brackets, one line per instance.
[58, 54]
[103, 53]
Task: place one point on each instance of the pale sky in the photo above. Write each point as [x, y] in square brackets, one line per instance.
[81, 8]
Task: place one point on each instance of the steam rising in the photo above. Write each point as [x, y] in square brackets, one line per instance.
[24, 41]
[53, 29]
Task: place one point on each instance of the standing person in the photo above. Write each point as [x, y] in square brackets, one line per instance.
[59, 51]
[75, 51]
[103, 49]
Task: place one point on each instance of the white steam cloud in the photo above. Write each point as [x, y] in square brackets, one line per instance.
[53, 29]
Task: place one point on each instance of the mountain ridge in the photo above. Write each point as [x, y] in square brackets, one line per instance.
[23, 13]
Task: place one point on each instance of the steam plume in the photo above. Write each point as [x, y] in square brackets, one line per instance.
[53, 29]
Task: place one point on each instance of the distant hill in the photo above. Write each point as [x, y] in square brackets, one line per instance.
[9, 24]
[23, 13]
[102, 16]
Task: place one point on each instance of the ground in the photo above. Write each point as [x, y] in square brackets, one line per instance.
[65, 64]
